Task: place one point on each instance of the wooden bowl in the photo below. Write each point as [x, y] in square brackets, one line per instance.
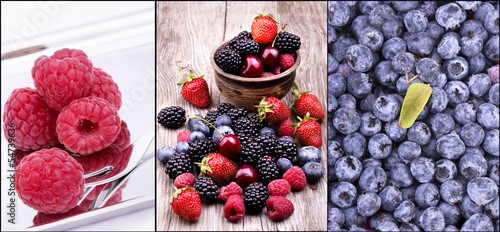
[248, 91]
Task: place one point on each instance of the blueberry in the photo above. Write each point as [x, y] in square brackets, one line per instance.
[332, 226]
[267, 130]
[429, 149]
[442, 123]
[482, 10]
[353, 218]
[449, 46]
[478, 222]
[343, 195]
[223, 120]
[409, 227]
[438, 100]
[359, 23]
[482, 190]
[191, 121]
[491, 22]
[469, 5]
[371, 162]
[452, 191]
[182, 147]
[428, 69]
[392, 47]
[472, 165]
[423, 169]
[348, 168]
[451, 213]
[336, 215]
[408, 193]
[368, 204]
[420, 133]
[450, 16]
[435, 30]
[339, 14]
[487, 116]
[408, 151]
[387, 226]
[379, 14]
[405, 212]
[492, 208]
[435, 56]
[359, 57]
[401, 176]
[493, 95]
[385, 74]
[284, 164]
[200, 126]
[366, 104]
[332, 34]
[340, 48]
[427, 195]
[491, 48]
[403, 62]
[313, 171]
[380, 146]
[372, 179]
[472, 134]
[479, 84]
[386, 108]
[196, 135]
[421, 44]
[359, 85]
[346, 120]
[224, 130]
[287, 138]
[347, 101]
[469, 207]
[471, 45]
[370, 125]
[393, 27]
[365, 7]
[465, 113]
[334, 152]
[445, 170]
[336, 84]
[380, 218]
[391, 198]
[404, 6]
[432, 219]
[354, 144]
[372, 38]
[333, 64]
[456, 68]
[308, 154]
[457, 92]
[450, 146]
[451, 228]
[163, 154]
[440, 81]
[490, 143]
[394, 131]
[415, 21]
[428, 7]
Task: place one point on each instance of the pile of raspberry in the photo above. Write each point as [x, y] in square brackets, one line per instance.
[65, 127]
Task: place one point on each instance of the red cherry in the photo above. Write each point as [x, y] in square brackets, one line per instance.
[270, 57]
[252, 67]
[229, 146]
[245, 175]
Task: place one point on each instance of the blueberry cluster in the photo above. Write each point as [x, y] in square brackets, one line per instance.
[440, 174]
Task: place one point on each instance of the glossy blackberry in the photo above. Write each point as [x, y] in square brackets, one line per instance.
[250, 152]
[237, 112]
[286, 149]
[201, 148]
[267, 169]
[245, 138]
[178, 164]
[244, 35]
[287, 42]
[172, 117]
[244, 125]
[212, 117]
[268, 142]
[207, 189]
[229, 60]
[258, 123]
[246, 47]
[224, 108]
[255, 197]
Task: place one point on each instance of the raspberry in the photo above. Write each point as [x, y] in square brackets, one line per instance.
[44, 218]
[183, 136]
[19, 155]
[63, 77]
[267, 74]
[279, 208]
[88, 125]
[229, 190]
[493, 73]
[184, 180]
[286, 61]
[123, 139]
[279, 187]
[110, 156]
[50, 181]
[295, 177]
[234, 209]
[29, 123]
[104, 87]
[277, 70]
[284, 129]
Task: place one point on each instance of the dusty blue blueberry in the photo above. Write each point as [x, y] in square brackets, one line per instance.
[338, 14]
[371, 162]
[334, 152]
[441, 124]
[423, 169]
[308, 154]
[343, 195]
[354, 144]
[469, 207]
[332, 226]
[385, 74]
[471, 45]
[284, 164]
[386, 108]
[391, 161]
[491, 22]
[415, 21]
[196, 135]
[200, 127]
[394, 131]
[465, 113]
[365, 7]
[379, 14]
[479, 84]
[456, 68]
[487, 116]
[391, 198]
[353, 218]
[370, 124]
[451, 228]
[404, 5]
[432, 219]
[163, 154]
[492, 208]
[340, 47]
[452, 191]
[379, 218]
[440, 81]
[430, 149]
[409, 193]
[359, 23]
[333, 64]
[393, 27]
[457, 92]
[482, 190]
[372, 179]
[332, 34]
[346, 120]
[191, 121]
[490, 143]
[336, 84]
[224, 130]
[403, 62]
[449, 46]
[451, 213]
[482, 10]
[348, 168]
[420, 44]
[491, 48]
[223, 120]
[409, 227]
[405, 212]
[494, 94]
[450, 16]
[401, 176]
[368, 204]
[428, 69]
[392, 47]
[478, 221]
[469, 5]
[366, 104]
[380, 146]
[438, 100]
[427, 195]
[473, 27]
[450, 146]
[408, 151]
[434, 30]
[313, 171]
[372, 38]
[266, 130]
[287, 138]
[445, 170]
[420, 133]
[359, 85]
[359, 57]
[472, 134]
[472, 165]
[182, 147]
[336, 215]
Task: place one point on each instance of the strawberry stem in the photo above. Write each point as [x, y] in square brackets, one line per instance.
[190, 77]
[204, 167]
[264, 108]
[194, 116]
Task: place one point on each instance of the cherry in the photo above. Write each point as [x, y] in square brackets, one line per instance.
[228, 145]
[270, 57]
[252, 67]
[245, 175]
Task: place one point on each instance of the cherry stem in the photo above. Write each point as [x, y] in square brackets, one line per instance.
[194, 116]
[283, 27]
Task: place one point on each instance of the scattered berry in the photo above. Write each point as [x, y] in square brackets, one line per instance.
[231, 189]
[286, 61]
[279, 187]
[195, 90]
[295, 177]
[184, 180]
[104, 87]
[264, 29]
[279, 208]
[183, 136]
[172, 117]
[186, 203]
[255, 196]
[234, 209]
[207, 189]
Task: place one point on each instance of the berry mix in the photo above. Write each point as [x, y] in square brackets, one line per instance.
[65, 127]
[263, 52]
[440, 173]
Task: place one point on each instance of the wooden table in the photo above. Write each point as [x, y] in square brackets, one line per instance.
[187, 32]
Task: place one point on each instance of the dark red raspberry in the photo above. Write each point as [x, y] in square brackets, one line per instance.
[279, 187]
[62, 77]
[29, 123]
[295, 177]
[286, 61]
[123, 139]
[279, 208]
[231, 189]
[50, 181]
[184, 180]
[234, 209]
[88, 125]
[104, 87]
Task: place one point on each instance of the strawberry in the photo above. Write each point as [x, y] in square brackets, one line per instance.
[273, 110]
[284, 129]
[218, 167]
[308, 131]
[186, 203]
[264, 29]
[305, 102]
[195, 90]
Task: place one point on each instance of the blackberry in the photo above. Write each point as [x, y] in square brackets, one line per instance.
[237, 112]
[201, 148]
[172, 117]
[178, 164]
[211, 117]
[287, 42]
[224, 108]
[259, 124]
[255, 197]
[244, 125]
[286, 149]
[207, 189]
[245, 138]
[244, 35]
[267, 169]
[250, 152]
[246, 47]
[268, 142]
[228, 60]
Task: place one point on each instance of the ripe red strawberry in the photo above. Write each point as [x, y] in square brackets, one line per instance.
[284, 129]
[273, 110]
[305, 102]
[308, 131]
[195, 90]
[186, 203]
[264, 29]
[218, 167]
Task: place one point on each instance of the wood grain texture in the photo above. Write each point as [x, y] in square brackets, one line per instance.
[187, 32]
